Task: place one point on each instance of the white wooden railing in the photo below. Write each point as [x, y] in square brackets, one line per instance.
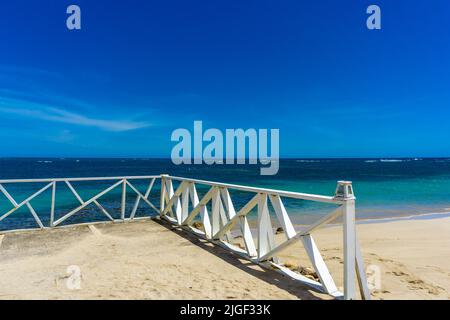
[182, 207]
[124, 182]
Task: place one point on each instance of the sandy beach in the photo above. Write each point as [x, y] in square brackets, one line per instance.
[151, 260]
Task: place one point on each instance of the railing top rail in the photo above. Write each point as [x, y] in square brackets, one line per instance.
[288, 194]
[281, 193]
[77, 179]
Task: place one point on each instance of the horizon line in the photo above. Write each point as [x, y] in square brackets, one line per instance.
[168, 158]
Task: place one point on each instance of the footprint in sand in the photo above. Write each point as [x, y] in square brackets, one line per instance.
[413, 282]
[398, 273]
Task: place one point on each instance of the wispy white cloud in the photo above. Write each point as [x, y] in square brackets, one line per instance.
[53, 113]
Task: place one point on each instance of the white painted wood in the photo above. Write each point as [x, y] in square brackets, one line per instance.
[193, 194]
[224, 218]
[205, 220]
[248, 237]
[282, 216]
[35, 216]
[71, 213]
[243, 212]
[245, 228]
[203, 211]
[170, 219]
[184, 204]
[226, 199]
[271, 237]
[215, 215]
[25, 201]
[233, 218]
[53, 202]
[232, 247]
[102, 209]
[77, 179]
[143, 197]
[361, 272]
[267, 265]
[282, 246]
[289, 194]
[248, 206]
[17, 206]
[169, 197]
[322, 221]
[195, 231]
[297, 276]
[124, 199]
[162, 200]
[75, 193]
[197, 208]
[136, 205]
[318, 264]
[263, 212]
[53, 185]
[169, 185]
[349, 250]
[8, 196]
[149, 188]
[174, 198]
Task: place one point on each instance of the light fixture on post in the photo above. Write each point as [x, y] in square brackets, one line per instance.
[344, 190]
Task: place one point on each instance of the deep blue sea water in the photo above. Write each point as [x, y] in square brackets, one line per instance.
[383, 187]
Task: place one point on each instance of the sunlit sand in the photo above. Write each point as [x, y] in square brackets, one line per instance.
[150, 260]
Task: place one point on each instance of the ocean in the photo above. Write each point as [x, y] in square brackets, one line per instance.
[384, 188]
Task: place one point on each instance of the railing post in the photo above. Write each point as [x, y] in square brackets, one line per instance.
[215, 211]
[52, 208]
[163, 193]
[344, 190]
[124, 199]
[185, 204]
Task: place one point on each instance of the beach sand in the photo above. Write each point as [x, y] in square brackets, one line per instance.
[151, 260]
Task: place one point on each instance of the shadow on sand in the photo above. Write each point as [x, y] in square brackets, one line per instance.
[272, 277]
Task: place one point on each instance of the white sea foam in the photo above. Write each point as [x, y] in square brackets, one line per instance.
[408, 217]
[391, 160]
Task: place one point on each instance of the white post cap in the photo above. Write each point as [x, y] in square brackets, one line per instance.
[344, 190]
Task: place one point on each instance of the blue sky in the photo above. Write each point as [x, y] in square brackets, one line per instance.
[140, 69]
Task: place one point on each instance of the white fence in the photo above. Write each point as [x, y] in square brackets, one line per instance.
[182, 207]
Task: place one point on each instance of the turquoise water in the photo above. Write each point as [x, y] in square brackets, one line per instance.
[383, 187]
